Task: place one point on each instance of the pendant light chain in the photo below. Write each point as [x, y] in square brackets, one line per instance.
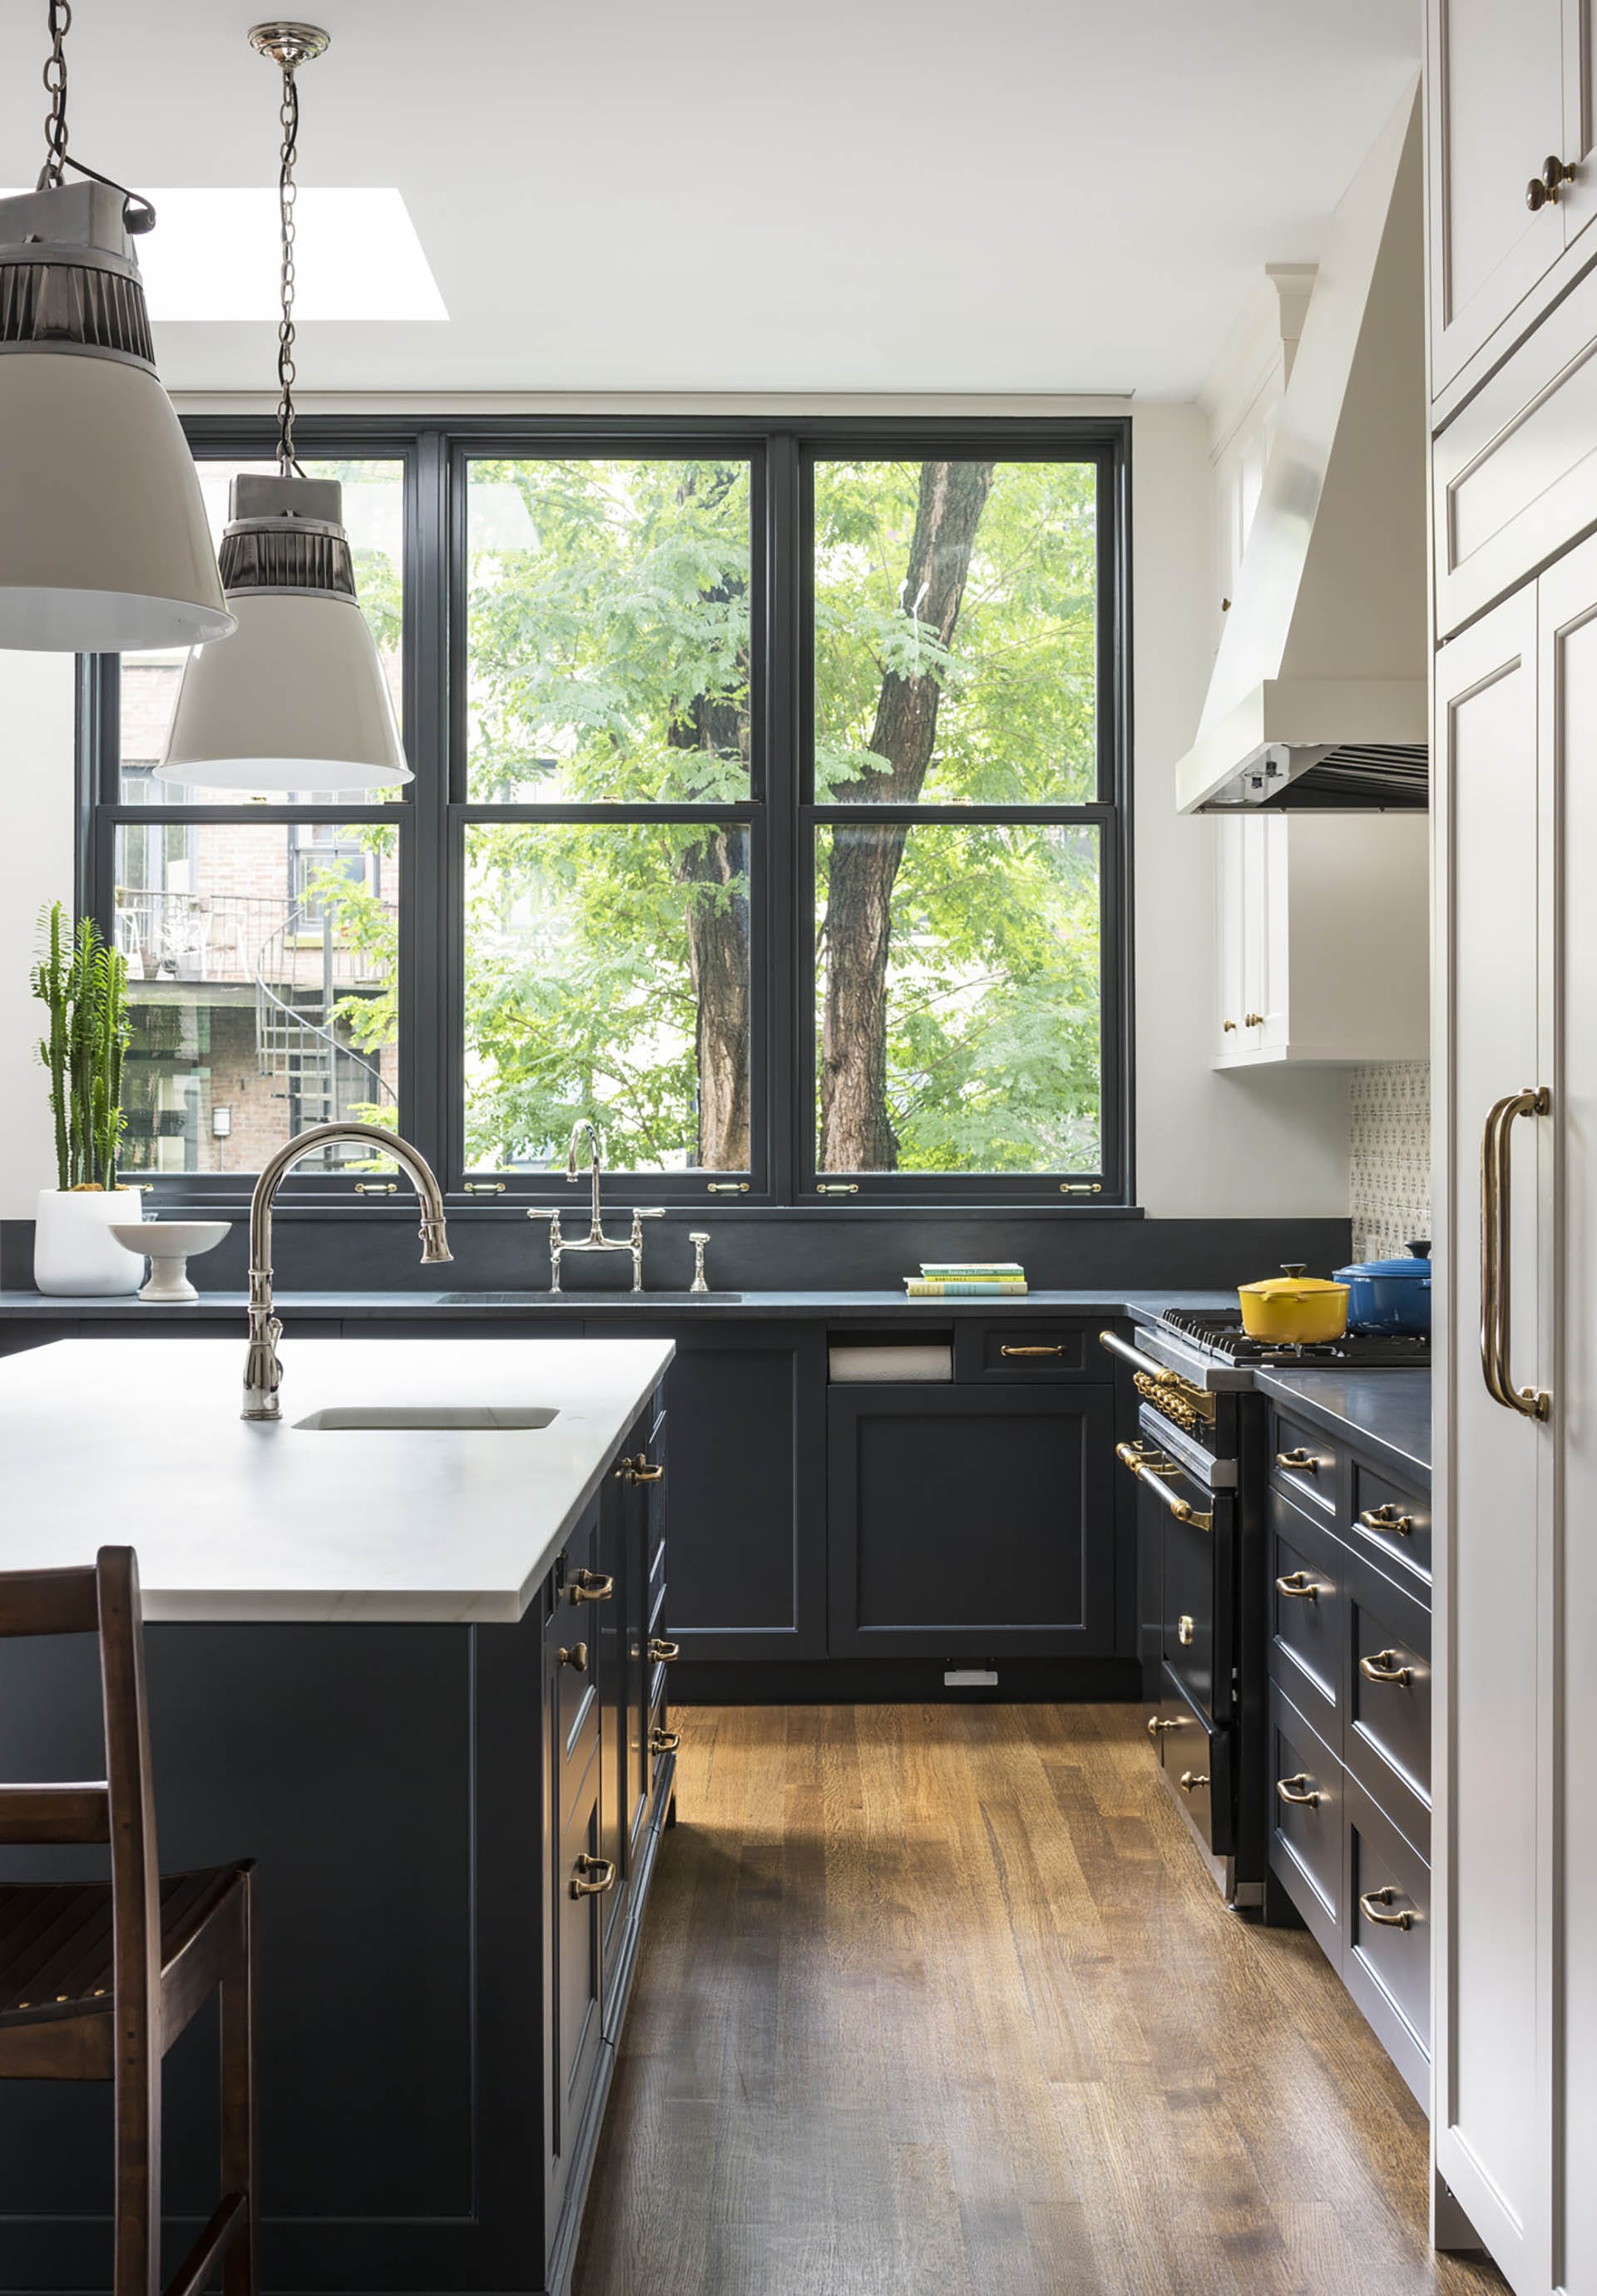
[287, 193]
[58, 15]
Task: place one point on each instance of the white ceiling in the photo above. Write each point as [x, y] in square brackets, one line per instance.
[722, 195]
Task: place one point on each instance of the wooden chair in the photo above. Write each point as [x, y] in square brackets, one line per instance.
[97, 1980]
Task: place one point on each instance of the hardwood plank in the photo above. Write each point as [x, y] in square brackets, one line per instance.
[937, 1999]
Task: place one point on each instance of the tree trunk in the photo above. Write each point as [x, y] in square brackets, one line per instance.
[856, 1127]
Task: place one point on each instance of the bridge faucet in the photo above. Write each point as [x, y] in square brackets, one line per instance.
[595, 1239]
[262, 1371]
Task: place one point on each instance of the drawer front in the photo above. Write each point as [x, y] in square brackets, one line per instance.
[578, 1973]
[1305, 1821]
[1307, 1603]
[1197, 1762]
[1388, 1740]
[1391, 1520]
[1387, 1965]
[1305, 1464]
[1021, 1349]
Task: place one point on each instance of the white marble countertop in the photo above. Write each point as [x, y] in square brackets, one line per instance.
[105, 1442]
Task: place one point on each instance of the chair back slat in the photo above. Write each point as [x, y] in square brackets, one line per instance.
[54, 1814]
[49, 1601]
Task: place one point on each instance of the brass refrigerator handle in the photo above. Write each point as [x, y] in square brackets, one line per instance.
[1496, 1260]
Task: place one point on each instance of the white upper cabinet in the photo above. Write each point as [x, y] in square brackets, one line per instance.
[1322, 929]
[1509, 90]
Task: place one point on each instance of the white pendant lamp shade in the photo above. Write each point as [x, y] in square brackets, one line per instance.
[104, 547]
[296, 698]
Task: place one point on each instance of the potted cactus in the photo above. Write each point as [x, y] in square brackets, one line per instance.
[82, 983]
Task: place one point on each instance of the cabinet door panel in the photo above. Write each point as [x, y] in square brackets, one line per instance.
[971, 1519]
[747, 1548]
[1496, 96]
[1230, 925]
[1491, 2142]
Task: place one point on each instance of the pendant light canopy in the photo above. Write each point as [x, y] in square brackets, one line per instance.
[104, 540]
[296, 699]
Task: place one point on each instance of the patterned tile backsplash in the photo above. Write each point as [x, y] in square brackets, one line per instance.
[1390, 1180]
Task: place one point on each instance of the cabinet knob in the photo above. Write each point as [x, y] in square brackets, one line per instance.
[664, 1742]
[1190, 1780]
[1300, 1791]
[1299, 1583]
[591, 1586]
[576, 1657]
[1228, 1028]
[1159, 1723]
[1253, 1020]
[593, 1876]
[1373, 1903]
[1542, 190]
[1186, 1630]
[663, 1652]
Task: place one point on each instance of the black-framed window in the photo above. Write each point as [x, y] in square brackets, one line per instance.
[769, 808]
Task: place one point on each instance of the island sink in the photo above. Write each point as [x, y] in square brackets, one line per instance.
[384, 1417]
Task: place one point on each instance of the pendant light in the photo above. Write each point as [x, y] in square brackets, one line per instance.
[296, 699]
[104, 544]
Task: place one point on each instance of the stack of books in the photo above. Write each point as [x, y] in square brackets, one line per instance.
[967, 1279]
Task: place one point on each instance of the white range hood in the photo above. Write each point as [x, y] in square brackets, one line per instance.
[1318, 699]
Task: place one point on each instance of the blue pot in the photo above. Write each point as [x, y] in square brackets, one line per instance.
[1389, 1296]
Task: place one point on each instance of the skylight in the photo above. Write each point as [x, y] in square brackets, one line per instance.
[213, 256]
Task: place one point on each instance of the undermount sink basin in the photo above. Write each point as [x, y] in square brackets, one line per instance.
[471, 1418]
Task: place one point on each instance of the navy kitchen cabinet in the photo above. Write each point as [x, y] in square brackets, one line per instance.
[967, 1521]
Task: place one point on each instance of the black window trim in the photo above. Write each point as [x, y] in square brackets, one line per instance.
[779, 809]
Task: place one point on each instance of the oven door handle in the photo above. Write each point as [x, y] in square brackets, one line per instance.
[1160, 1373]
[1152, 1471]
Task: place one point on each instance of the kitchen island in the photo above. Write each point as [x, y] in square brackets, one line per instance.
[418, 1672]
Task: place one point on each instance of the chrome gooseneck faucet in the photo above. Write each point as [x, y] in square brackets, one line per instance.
[262, 1371]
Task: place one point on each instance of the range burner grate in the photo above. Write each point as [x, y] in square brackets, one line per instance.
[1217, 1329]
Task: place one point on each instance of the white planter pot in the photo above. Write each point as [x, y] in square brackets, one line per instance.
[75, 1255]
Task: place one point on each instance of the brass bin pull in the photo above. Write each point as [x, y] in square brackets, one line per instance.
[639, 1470]
[577, 1657]
[1031, 1351]
[1386, 1666]
[1496, 1232]
[662, 1651]
[1301, 1462]
[1371, 1903]
[591, 1586]
[593, 1876]
[1190, 1781]
[664, 1742]
[1299, 1584]
[1298, 1791]
[1387, 1517]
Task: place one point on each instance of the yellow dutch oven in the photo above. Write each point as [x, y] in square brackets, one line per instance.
[1293, 1308]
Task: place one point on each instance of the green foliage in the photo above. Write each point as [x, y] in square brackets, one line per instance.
[608, 642]
[82, 983]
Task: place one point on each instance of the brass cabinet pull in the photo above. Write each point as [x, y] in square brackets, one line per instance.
[1371, 1904]
[1301, 1462]
[485, 1187]
[1387, 1517]
[838, 1187]
[577, 1657]
[1298, 1791]
[726, 1187]
[593, 1876]
[1542, 190]
[639, 1470]
[1031, 1351]
[1496, 1229]
[591, 1586]
[376, 1187]
[1157, 1724]
[1253, 1020]
[1228, 1028]
[663, 1652]
[1190, 1781]
[1386, 1666]
[1300, 1584]
[1186, 1630]
[664, 1742]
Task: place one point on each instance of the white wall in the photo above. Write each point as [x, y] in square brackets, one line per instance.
[1265, 1141]
[35, 866]
[1209, 1143]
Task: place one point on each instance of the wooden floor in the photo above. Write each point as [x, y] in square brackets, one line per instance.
[938, 2002]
